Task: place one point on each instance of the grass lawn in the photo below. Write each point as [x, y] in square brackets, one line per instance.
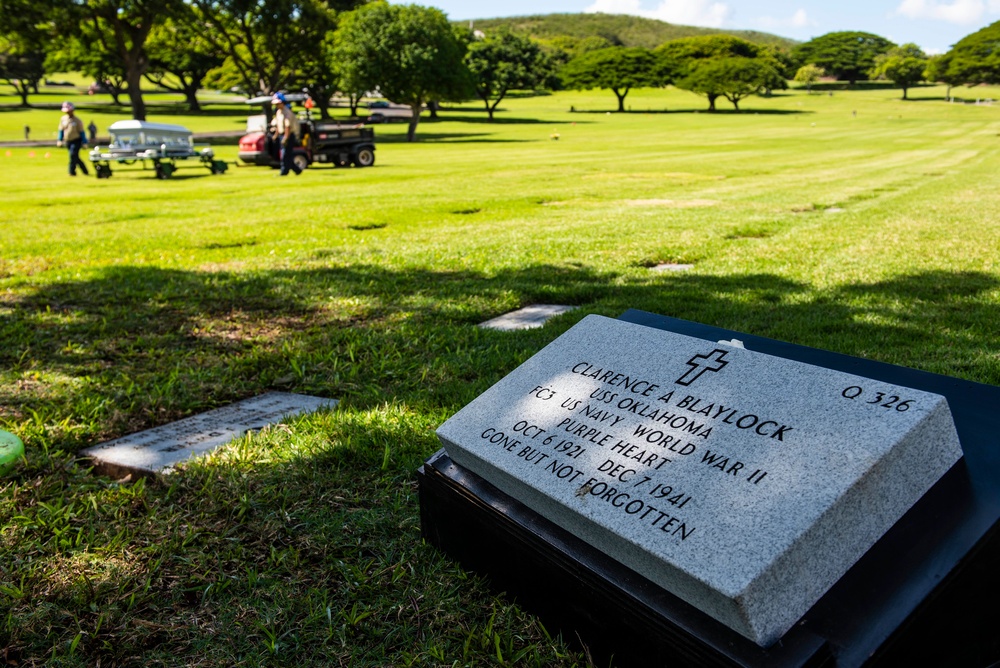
[856, 222]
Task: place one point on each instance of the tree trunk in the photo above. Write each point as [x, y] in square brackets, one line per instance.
[621, 98]
[411, 131]
[711, 101]
[134, 78]
[904, 92]
[22, 90]
[495, 104]
[191, 97]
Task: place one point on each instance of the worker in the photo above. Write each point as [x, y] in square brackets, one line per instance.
[286, 127]
[72, 134]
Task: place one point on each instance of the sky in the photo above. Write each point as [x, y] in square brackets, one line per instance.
[934, 25]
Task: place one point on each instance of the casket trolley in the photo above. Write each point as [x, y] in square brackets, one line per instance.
[159, 144]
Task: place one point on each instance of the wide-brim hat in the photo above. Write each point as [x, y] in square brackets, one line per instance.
[68, 106]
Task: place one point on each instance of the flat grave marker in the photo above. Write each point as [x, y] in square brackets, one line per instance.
[529, 317]
[744, 483]
[159, 449]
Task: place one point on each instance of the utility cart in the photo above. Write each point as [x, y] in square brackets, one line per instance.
[160, 145]
[325, 142]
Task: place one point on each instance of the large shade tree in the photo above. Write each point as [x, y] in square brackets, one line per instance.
[265, 41]
[618, 69]
[847, 55]
[27, 34]
[720, 66]
[120, 29]
[731, 78]
[76, 53]
[938, 71]
[503, 61]
[903, 65]
[974, 59]
[180, 57]
[21, 66]
[410, 54]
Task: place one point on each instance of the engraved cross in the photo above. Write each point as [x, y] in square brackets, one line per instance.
[700, 364]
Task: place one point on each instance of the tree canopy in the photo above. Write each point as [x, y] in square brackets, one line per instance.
[410, 54]
[120, 29]
[26, 36]
[902, 65]
[720, 66]
[618, 68]
[847, 55]
[180, 57]
[975, 59]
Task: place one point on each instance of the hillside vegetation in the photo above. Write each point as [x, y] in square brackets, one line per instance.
[616, 28]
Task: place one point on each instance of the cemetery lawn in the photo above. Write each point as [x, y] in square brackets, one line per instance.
[857, 223]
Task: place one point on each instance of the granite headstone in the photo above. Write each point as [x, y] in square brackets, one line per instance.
[745, 484]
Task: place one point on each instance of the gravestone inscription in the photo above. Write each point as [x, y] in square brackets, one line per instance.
[159, 449]
[746, 484]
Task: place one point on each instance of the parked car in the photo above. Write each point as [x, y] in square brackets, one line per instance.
[381, 111]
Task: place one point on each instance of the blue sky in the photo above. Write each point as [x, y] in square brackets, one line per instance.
[932, 24]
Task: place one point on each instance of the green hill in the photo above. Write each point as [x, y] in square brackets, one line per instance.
[616, 28]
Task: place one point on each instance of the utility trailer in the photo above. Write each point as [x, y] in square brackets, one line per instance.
[159, 144]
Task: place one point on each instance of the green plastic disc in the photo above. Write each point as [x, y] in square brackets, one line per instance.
[11, 450]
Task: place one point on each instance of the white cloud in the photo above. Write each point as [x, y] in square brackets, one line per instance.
[956, 11]
[800, 20]
[685, 12]
[797, 20]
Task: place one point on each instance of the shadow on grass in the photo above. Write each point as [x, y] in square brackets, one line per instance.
[700, 110]
[314, 527]
[450, 137]
[498, 119]
[178, 341]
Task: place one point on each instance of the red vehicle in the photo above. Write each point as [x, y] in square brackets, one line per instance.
[322, 141]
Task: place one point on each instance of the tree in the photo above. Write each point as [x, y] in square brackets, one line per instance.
[504, 61]
[618, 69]
[75, 54]
[808, 75]
[26, 35]
[903, 65]
[846, 55]
[974, 59]
[180, 58]
[938, 70]
[410, 54]
[731, 78]
[720, 66]
[264, 40]
[120, 29]
[20, 66]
